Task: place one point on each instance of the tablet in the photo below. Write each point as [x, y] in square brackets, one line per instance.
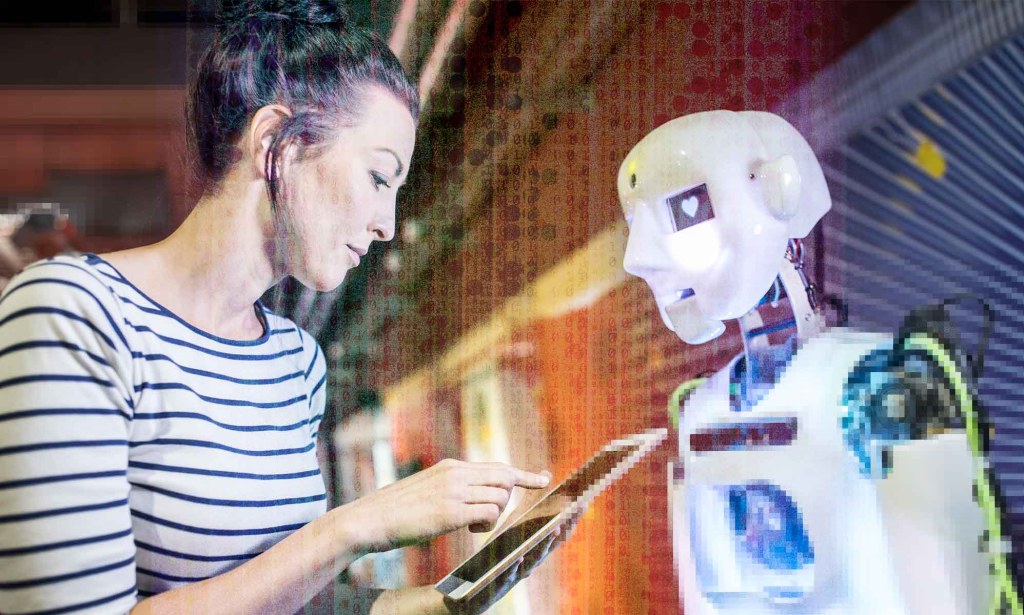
[536, 523]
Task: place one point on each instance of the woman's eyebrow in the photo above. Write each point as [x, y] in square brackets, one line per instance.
[398, 172]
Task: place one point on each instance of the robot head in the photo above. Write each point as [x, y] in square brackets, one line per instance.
[711, 200]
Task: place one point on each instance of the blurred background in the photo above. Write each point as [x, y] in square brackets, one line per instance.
[499, 325]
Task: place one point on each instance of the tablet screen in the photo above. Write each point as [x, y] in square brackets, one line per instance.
[543, 512]
[594, 470]
[498, 549]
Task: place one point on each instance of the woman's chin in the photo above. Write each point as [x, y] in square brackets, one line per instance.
[325, 280]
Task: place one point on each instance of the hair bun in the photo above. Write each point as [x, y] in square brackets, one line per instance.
[318, 12]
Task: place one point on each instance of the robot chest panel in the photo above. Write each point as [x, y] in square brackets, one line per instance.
[795, 427]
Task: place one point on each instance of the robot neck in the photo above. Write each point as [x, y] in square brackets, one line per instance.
[772, 333]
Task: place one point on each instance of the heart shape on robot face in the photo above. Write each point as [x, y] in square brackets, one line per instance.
[690, 205]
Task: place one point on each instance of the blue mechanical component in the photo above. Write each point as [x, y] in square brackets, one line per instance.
[750, 540]
[769, 527]
[874, 421]
[893, 396]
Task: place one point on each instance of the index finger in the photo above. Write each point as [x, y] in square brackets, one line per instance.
[532, 480]
[504, 475]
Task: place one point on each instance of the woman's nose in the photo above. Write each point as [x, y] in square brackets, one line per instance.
[383, 229]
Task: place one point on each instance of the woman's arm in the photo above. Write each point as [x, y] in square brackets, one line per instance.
[445, 497]
[281, 580]
[66, 540]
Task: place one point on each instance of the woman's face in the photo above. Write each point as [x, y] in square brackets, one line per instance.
[343, 199]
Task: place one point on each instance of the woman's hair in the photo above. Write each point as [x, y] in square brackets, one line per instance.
[297, 53]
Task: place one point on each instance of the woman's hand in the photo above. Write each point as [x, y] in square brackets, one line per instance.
[445, 497]
[496, 590]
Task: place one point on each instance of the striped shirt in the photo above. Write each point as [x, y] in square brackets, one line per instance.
[137, 452]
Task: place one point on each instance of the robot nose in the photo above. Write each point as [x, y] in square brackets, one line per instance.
[645, 248]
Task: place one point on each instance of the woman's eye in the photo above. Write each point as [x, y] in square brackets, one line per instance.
[378, 181]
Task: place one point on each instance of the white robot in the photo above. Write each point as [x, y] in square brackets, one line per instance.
[824, 470]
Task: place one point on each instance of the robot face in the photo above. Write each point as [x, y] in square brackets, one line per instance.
[711, 207]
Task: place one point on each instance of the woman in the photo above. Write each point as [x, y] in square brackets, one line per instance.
[156, 421]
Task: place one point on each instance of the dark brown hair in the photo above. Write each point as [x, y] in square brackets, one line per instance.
[297, 53]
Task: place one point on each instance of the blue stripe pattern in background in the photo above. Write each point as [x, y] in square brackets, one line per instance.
[929, 203]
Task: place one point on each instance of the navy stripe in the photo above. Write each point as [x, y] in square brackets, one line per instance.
[58, 478]
[110, 320]
[53, 512]
[223, 447]
[195, 558]
[209, 374]
[233, 503]
[317, 387]
[166, 313]
[148, 310]
[65, 544]
[316, 353]
[51, 310]
[316, 418]
[21, 414]
[96, 260]
[54, 378]
[83, 605]
[204, 472]
[54, 344]
[214, 353]
[177, 386]
[170, 577]
[24, 448]
[169, 315]
[258, 531]
[203, 417]
[145, 594]
[67, 577]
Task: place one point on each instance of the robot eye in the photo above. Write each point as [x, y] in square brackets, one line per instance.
[632, 180]
[690, 207]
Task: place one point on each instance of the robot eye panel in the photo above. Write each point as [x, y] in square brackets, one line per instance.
[690, 207]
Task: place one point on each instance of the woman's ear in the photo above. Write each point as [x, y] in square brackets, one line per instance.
[265, 124]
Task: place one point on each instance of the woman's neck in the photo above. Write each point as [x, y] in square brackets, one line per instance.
[214, 267]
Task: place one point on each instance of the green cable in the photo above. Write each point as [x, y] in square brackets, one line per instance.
[986, 497]
[677, 396]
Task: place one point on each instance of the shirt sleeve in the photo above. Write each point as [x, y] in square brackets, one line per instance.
[65, 415]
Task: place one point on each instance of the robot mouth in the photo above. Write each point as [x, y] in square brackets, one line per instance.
[681, 308]
[689, 322]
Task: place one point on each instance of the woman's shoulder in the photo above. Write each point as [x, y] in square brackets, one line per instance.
[61, 280]
[60, 301]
